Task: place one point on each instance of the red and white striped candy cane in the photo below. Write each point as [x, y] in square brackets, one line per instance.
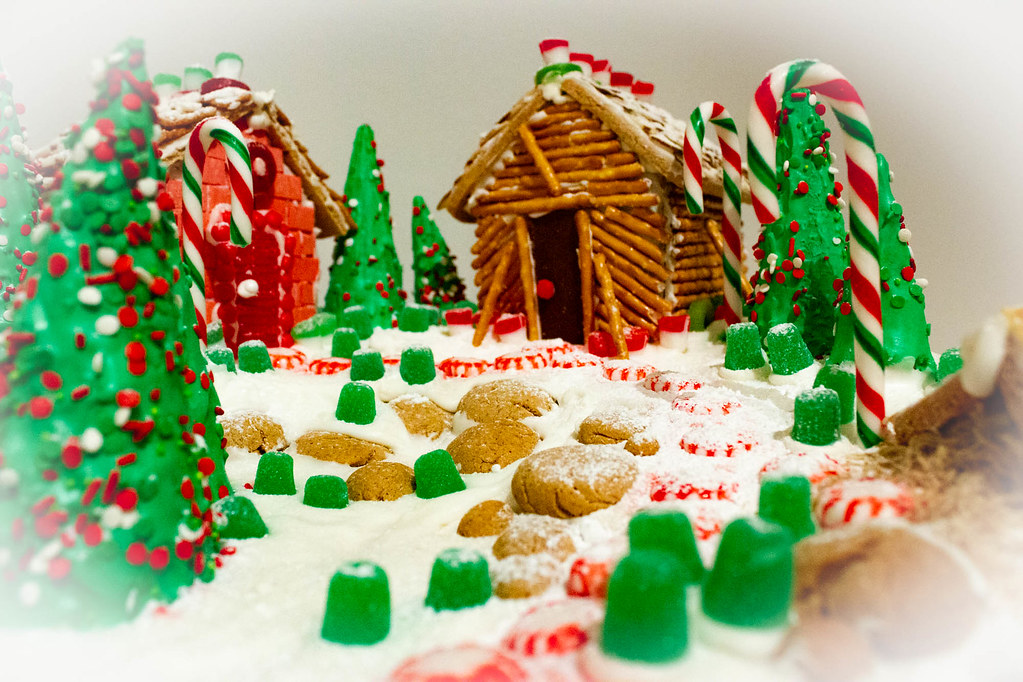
[731, 226]
[194, 240]
[827, 83]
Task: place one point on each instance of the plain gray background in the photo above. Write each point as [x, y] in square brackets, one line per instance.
[941, 82]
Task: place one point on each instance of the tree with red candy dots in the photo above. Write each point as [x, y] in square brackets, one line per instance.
[111, 458]
[436, 278]
[366, 270]
[19, 203]
[804, 254]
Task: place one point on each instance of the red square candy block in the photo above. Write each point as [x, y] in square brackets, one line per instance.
[216, 151]
[288, 186]
[601, 344]
[509, 325]
[301, 217]
[282, 206]
[214, 195]
[305, 269]
[458, 316]
[305, 243]
[303, 293]
[673, 331]
[303, 313]
[174, 189]
[635, 338]
[278, 155]
[215, 172]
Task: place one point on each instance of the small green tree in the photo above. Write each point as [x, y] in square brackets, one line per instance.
[112, 459]
[366, 270]
[802, 256]
[436, 278]
[19, 203]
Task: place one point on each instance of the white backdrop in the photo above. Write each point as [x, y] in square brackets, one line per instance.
[941, 81]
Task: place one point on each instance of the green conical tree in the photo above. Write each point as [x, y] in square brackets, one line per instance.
[906, 331]
[19, 203]
[111, 457]
[436, 277]
[366, 270]
[802, 255]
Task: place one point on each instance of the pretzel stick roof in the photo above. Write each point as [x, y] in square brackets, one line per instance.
[178, 114]
[654, 135]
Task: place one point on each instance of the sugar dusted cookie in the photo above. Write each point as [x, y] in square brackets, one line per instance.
[490, 517]
[340, 448]
[505, 399]
[421, 416]
[484, 447]
[610, 426]
[573, 480]
[254, 432]
[381, 481]
[523, 575]
[534, 534]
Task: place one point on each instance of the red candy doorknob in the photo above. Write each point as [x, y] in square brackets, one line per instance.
[545, 289]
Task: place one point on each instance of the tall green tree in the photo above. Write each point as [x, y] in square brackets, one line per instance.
[803, 255]
[112, 459]
[19, 203]
[436, 278]
[366, 270]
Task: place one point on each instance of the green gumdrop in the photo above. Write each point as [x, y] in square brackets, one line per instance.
[367, 365]
[949, 363]
[221, 356]
[214, 333]
[356, 404]
[358, 607]
[842, 382]
[417, 318]
[700, 313]
[254, 357]
[358, 318]
[460, 579]
[669, 531]
[344, 342]
[750, 584]
[242, 520]
[325, 492]
[436, 475]
[742, 349]
[786, 501]
[787, 349]
[275, 474]
[319, 324]
[417, 365]
[817, 416]
[646, 609]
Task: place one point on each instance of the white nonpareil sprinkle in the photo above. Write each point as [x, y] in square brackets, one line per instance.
[3, 240]
[91, 179]
[836, 240]
[106, 256]
[922, 282]
[353, 203]
[904, 235]
[121, 416]
[91, 137]
[248, 288]
[91, 440]
[115, 517]
[97, 363]
[107, 325]
[90, 296]
[147, 186]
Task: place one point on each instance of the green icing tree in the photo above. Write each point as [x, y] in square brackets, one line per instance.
[804, 254]
[18, 203]
[436, 277]
[111, 458]
[366, 270]
[906, 330]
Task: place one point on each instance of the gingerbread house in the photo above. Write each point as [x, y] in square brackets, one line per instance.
[581, 220]
[261, 291]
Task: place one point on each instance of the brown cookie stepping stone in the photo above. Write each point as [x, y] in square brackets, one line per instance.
[505, 399]
[254, 432]
[490, 517]
[534, 534]
[421, 416]
[341, 448]
[381, 481]
[521, 576]
[481, 448]
[573, 480]
[616, 425]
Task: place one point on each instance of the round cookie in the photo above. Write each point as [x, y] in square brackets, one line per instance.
[490, 517]
[481, 448]
[340, 448]
[254, 432]
[523, 575]
[381, 481]
[504, 399]
[573, 480]
[615, 425]
[421, 416]
[534, 534]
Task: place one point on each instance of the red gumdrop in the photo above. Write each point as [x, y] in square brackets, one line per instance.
[601, 344]
[588, 578]
[636, 338]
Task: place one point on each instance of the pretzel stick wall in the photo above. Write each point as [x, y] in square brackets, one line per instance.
[489, 306]
[607, 296]
[582, 226]
[539, 160]
[526, 276]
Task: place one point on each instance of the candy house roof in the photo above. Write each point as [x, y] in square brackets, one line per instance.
[653, 134]
[178, 114]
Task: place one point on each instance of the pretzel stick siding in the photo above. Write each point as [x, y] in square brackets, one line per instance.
[643, 278]
[486, 227]
[627, 200]
[635, 320]
[539, 160]
[492, 247]
[582, 226]
[631, 171]
[487, 313]
[526, 275]
[551, 119]
[649, 216]
[695, 274]
[574, 139]
[562, 108]
[607, 296]
[630, 254]
[627, 301]
[574, 151]
[650, 298]
[653, 251]
[576, 125]
[636, 224]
